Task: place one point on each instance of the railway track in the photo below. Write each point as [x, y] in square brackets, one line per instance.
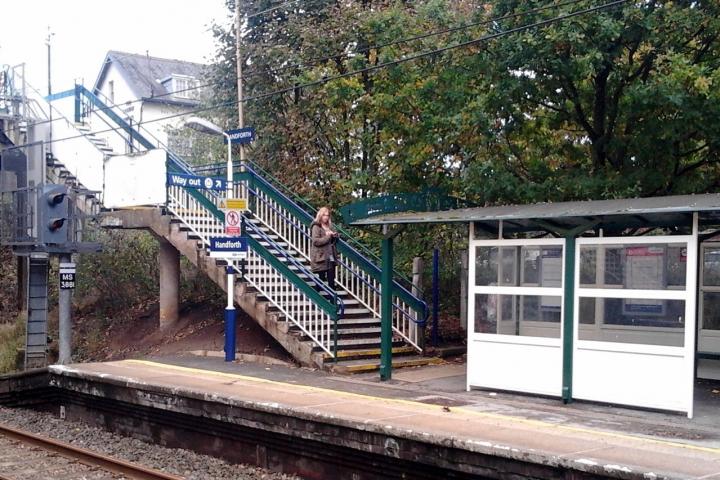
[29, 456]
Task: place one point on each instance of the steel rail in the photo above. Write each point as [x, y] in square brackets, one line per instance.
[86, 457]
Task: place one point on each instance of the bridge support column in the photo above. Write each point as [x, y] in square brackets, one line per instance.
[169, 259]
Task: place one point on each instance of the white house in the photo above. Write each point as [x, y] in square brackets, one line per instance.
[146, 89]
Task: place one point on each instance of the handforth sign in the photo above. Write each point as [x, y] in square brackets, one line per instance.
[229, 247]
[241, 135]
[194, 181]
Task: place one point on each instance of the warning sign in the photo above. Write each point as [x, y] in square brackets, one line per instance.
[234, 204]
[233, 220]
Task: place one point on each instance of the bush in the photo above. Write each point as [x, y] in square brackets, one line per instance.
[12, 337]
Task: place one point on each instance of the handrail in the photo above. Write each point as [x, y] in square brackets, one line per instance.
[108, 111]
[277, 280]
[339, 305]
[139, 133]
[220, 216]
[282, 188]
[420, 322]
[417, 304]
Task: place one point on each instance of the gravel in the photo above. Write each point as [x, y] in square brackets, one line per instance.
[170, 460]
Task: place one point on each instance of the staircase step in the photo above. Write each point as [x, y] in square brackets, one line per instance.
[360, 332]
[370, 352]
[361, 343]
[370, 365]
[359, 321]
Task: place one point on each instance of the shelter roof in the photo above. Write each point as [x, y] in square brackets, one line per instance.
[661, 211]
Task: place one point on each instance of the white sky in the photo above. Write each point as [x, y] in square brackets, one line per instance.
[84, 30]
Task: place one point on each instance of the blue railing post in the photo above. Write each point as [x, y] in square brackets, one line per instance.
[435, 296]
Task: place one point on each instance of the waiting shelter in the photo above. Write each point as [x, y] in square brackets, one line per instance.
[613, 301]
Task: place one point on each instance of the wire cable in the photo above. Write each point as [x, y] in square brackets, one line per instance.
[319, 60]
[485, 38]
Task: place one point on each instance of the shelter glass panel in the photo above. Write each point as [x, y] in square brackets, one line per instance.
[632, 320]
[527, 266]
[522, 315]
[651, 266]
[495, 266]
[711, 311]
[711, 267]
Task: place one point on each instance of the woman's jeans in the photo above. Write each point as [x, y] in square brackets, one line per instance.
[328, 276]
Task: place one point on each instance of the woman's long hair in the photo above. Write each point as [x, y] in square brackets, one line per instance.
[318, 217]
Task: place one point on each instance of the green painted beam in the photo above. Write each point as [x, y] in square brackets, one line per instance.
[568, 318]
[386, 309]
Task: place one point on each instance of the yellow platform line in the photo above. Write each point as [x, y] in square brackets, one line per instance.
[496, 416]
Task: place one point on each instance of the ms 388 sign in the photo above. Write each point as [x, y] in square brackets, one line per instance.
[67, 276]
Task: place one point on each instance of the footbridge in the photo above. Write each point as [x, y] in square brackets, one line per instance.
[126, 169]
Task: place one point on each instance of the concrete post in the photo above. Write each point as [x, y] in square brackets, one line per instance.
[169, 259]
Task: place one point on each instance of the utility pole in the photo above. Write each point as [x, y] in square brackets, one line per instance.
[238, 56]
[49, 78]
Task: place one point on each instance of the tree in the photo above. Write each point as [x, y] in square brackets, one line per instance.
[614, 104]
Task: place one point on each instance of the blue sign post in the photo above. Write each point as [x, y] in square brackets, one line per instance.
[240, 135]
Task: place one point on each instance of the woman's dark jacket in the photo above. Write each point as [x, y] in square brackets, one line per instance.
[323, 250]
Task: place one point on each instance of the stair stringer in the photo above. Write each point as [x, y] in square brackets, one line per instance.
[160, 225]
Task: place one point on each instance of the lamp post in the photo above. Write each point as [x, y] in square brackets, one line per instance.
[205, 126]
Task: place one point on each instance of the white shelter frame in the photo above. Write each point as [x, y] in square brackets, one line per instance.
[653, 376]
[637, 374]
[513, 362]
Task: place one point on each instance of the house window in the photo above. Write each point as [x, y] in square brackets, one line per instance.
[111, 91]
[183, 86]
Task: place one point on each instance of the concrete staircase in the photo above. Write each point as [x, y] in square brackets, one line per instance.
[359, 331]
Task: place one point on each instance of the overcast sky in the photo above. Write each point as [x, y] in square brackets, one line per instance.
[84, 30]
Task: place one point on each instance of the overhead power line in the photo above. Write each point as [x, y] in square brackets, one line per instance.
[348, 55]
[465, 26]
[485, 38]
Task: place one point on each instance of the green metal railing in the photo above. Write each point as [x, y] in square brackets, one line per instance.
[357, 275]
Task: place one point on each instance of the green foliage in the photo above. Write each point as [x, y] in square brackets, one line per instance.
[12, 338]
[125, 271]
[617, 103]
[8, 287]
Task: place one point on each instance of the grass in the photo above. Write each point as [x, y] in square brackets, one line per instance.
[12, 337]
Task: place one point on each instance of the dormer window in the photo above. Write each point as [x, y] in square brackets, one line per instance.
[181, 86]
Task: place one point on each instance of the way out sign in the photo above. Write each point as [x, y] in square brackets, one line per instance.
[234, 248]
[67, 276]
[233, 222]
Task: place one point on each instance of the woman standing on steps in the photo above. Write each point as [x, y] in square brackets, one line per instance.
[323, 254]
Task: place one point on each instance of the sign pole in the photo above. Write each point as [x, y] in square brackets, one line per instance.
[67, 283]
[230, 310]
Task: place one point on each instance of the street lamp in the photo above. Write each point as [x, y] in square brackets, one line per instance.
[204, 126]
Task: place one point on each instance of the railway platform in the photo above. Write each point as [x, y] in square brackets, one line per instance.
[422, 417]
